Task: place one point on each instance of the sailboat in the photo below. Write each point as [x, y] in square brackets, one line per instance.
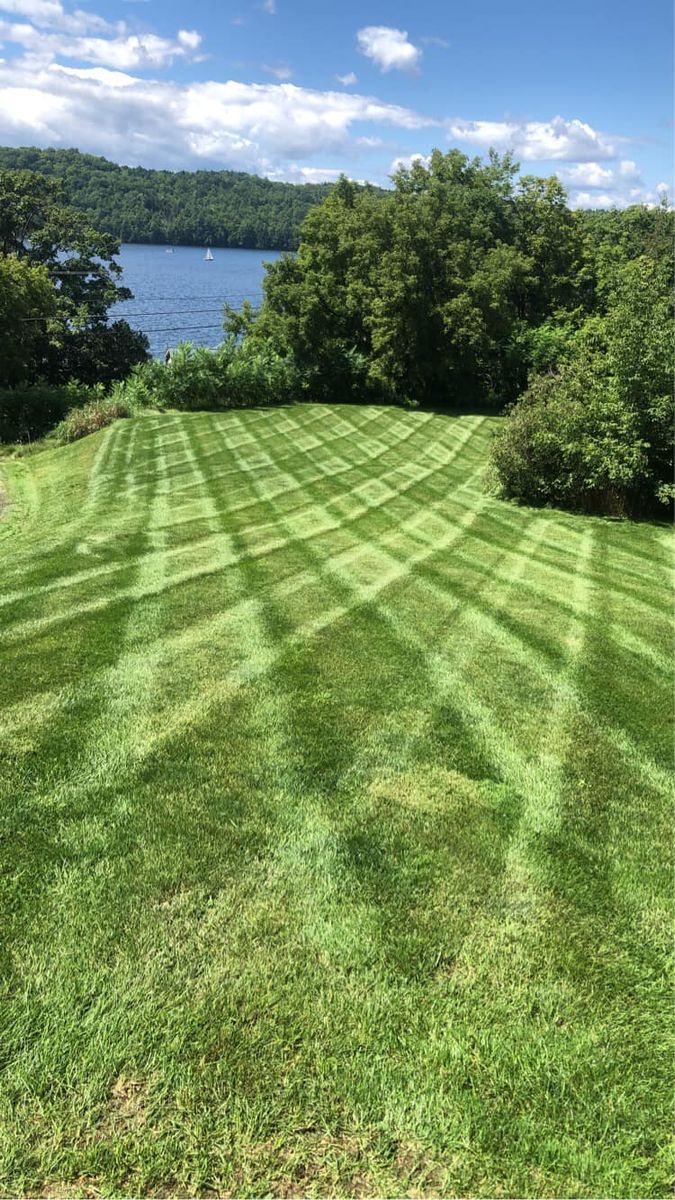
[208, 257]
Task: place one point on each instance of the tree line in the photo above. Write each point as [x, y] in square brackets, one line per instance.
[187, 208]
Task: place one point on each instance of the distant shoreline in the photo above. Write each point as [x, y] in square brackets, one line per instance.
[230, 210]
[175, 246]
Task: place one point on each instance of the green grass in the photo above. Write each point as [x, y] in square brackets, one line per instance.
[335, 822]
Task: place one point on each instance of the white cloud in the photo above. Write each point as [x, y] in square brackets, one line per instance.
[113, 79]
[406, 161]
[30, 110]
[297, 174]
[628, 171]
[559, 139]
[254, 127]
[590, 175]
[280, 72]
[608, 187]
[123, 52]
[190, 39]
[611, 181]
[288, 119]
[388, 48]
[294, 173]
[594, 200]
[50, 14]
[442, 43]
[269, 6]
[348, 80]
[646, 196]
[616, 198]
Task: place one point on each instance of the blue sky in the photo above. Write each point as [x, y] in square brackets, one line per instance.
[297, 90]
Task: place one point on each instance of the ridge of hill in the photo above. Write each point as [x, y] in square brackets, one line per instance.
[189, 208]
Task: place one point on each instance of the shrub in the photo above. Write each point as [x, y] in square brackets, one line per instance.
[341, 374]
[234, 375]
[136, 390]
[194, 379]
[597, 436]
[571, 444]
[258, 375]
[91, 417]
[28, 413]
[537, 349]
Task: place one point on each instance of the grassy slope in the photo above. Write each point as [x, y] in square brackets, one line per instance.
[334, 818]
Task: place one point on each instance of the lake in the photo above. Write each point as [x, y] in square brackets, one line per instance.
[180, 297]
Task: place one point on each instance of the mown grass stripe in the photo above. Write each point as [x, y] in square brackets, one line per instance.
[19, 629]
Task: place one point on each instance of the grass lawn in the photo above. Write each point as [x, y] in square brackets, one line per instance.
[335, 822]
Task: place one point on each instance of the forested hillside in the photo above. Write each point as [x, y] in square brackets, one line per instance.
[226, 208]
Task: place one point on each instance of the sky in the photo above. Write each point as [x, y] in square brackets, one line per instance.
[304, 90]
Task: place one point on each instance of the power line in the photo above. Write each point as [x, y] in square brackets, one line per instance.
[166, 312]
[181, 329]
[170, 312]
[160, 312]
[173, 312]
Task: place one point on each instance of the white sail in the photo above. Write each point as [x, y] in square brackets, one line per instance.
[208, 257]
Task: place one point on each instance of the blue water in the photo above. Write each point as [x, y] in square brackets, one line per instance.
[179, 297]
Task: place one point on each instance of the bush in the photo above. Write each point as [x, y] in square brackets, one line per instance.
[234, 375]
[340, 374]
[197, 379]
[28, 413]
[570, 444]
[258, 375]
[598, 435]
[194, 379]
[91, 417]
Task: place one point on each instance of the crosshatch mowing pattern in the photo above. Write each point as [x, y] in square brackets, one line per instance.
[335, 818]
